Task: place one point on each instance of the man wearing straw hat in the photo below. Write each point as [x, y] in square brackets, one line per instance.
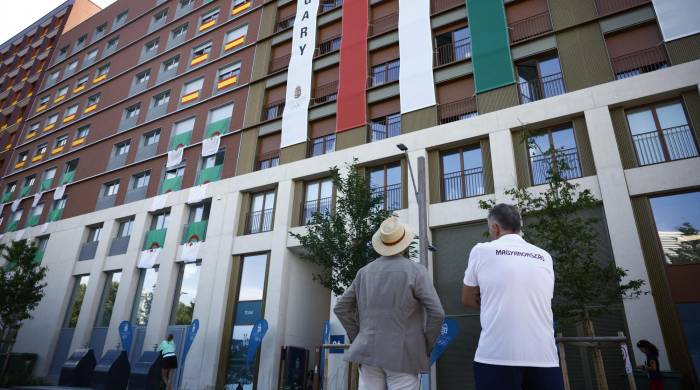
[392, 314]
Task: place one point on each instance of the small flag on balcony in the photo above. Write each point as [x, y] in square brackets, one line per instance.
[37, 198]
[148, 258]
[174, 157]
[15, 205]
[190, 251]
[59, 192]
[210, 145]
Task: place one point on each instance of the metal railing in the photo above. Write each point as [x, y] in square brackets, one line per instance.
[443, 5]
[279, 63]
[463, 184]
[453, 52]
[329, 5]
[677, 143]
[268, 160]
[609, 6]
[384, 73]
[273, 110]
[541, 88]
[530, 27]
[329, 45]
[391, 196]
[259, 221]
[642, 61]
[384, 24]
[285, 23]
[324, 93]
[384, 128]
[457, 110]
[541, 165]
[309, 208]
[321, 145]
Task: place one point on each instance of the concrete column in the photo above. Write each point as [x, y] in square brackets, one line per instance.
[93, 294]
[503, 163]
[642, 320]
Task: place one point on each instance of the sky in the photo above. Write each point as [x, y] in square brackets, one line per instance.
[15, 15]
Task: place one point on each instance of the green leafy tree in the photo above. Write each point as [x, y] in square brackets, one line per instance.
[21, 289]
[688, 251]
[340, 242]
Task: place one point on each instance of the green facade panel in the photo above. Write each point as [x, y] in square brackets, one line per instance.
[208, 175]
[195, 232]
[25, 191]
[32, 220]
[173, 184]
[219, 127]
[180, 140]
[55, 215]
[45, 185]
[155, 239]
[6, 197]
[67, 177]
[12, 226]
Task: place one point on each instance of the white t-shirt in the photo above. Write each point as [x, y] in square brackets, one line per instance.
[516, 282]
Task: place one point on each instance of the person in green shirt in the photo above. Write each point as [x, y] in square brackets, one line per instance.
[168, 362]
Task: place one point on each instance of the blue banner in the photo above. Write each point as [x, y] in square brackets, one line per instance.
[125, 334]
[450, 329]
[189, 337]
[256, 338]
[248, 312]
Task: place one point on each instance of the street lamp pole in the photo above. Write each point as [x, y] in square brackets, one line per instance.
[420, 192]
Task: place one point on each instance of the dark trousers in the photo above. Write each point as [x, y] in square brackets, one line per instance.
[493, 377]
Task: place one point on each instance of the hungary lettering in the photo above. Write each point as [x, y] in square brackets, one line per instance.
[505, 252]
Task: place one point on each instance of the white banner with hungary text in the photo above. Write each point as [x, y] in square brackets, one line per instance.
[416, 51]
[295, 117]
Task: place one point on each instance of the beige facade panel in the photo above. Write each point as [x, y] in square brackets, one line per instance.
[246, 154]
[628, 19]
[349, 138]
[293, 153]
[254, 104]
[497, 99]
[566, 13]
[522, 165]
[488, 169]
[622, 135]
[583, 144]
[684, 49]
[583, 57]
[419, 119]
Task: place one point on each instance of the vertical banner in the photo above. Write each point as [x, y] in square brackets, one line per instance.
[450, 329]
[324, 340]
[189, 338]
[677, 18]
[295, 117]
[416, 50]
[125, 334]
[256, 338]
[351, 109]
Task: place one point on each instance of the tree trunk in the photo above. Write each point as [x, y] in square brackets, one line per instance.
[598, 365]
[5, 334]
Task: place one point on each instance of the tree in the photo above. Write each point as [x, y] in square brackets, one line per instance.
[340, 242]
[688, 251]
[21, 289]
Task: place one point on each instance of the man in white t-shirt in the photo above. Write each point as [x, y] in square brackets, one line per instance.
[512, 282]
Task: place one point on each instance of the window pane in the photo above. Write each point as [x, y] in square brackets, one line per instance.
[549, 67]
[641, 121]
[564, 139]
[144, 298]
[376, 177]
[257, 204]
[472, 159]
[539, 144]
[78, 296]
[677, 220]
[187, 296]
[671, 115]
[450, 162]
[689, 315]
[109, 295]
[393, 174]
[253, 278]
[312, 191]
[269, 200]
[326, 189]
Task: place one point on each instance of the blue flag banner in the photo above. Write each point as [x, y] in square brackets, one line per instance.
[125, 334]
[256, 338]
[189, 337]
[450, 329]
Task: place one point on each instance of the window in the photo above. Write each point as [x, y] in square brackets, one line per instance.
[103, 70]
[184, 127]
[41, 149]
[186, 3]
[72, 66]
[453, 46]
[553, 149]
[34, 127]
[142, 78]
[80, 84]
[160, 220]
[385, 73]
[201, 53]
[125, 226]
[261, 212]
[112, 44]
[251, 296]
[100, 31]
[133, 111]
[54, 76]
[171, 64]
[385, 182]
[161, 99]
[160, 17]
[49, 174]
[94, 233]
[44, 100]
[462, 173]
[77, 296]
[93, 100]
[29, 181]
[61, 93]
[111, 188]
[62, 52]
[51, 121]
[209, 19]
[109, 296]
[61, 141]
[144, 296]
[191, 90]
[151, 138]
[185, 294]
[385, 127]
[22, 157]
[140, 180]
[80, 43]
[318, 198]
[151, 47]
[91, 55]
[174, 172]
[661, 132]
[82, 132]
[235, 37]
[121, 148]
[539, 78]
[228, 75]
[72, 110]
[120, 19]
[179, 32]
[219, 120]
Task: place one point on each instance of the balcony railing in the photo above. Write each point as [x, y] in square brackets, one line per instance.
[453, 52]
[328, 46]
[384, 24]
[530, 27]
[385, 73]
[391, 196]
[463, 184]
[259, 221]
[443, 5]
[268, 160]
[272, 110]
[321, 145]
[457, 110]
[324, 93]
[677, 143]
[309, 208]
[385, 128]
[609, 6]
[541, 165]
[329, 5]
[542, 88]
[643, 61]
[285, 23]
[279, 63]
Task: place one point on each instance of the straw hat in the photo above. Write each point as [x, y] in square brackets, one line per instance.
[392, 238]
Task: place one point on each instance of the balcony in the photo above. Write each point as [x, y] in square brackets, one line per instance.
[26, 190]
[208, 175]
[171, 185]
[268, 160]
[329, 5]
[384, 73]
[88, 250]
[541, 165]
[453, 52]
[55, 215]
[310, 208]
[279, 63]
[259, 221]
[327, 46]
[321, 145]
[463, 184]
[391, 196]
[119, 246]
[285, 23]
[154, 239]
[541, 88]
[530, 27]
[675, 143]
[606, 7]
[384, 128]
[195, 232]
[437, 6]
[32, 220]
[324, 93]
[180, 140]
[643, 61]
[457, 110]
[67, 177]
[272, 110]
[384, 24]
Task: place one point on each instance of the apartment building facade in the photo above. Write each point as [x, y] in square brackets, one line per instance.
[173, 145]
